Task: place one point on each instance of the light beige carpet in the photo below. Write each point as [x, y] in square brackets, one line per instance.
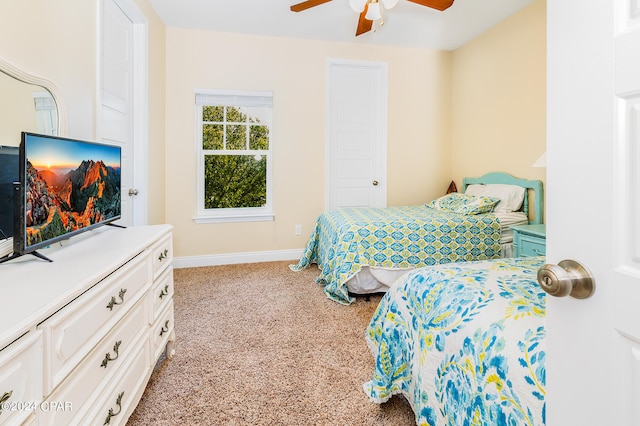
[258, 344]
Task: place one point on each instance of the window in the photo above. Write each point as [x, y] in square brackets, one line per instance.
[234, 156]
[46, 113]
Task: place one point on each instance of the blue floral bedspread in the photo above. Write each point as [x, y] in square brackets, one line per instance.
[345, 240]
[464, 343]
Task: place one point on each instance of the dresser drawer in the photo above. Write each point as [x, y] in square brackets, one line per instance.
[162, 292]
[73, 331]
[162, 331]
[162, 253]
[20, 379]
[121, 397]
[111, 356]
[531, 246]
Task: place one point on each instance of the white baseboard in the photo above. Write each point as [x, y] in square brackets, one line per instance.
[234, 258]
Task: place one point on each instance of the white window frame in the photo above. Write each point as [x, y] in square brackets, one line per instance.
[46, 113]
[205, 97]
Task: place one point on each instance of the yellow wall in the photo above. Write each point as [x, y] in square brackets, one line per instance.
[58, 41]
[499, 98]
[294, 70]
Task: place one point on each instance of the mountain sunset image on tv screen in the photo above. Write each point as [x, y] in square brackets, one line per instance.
[69, 186]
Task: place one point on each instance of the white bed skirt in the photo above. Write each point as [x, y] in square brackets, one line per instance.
[374, 280]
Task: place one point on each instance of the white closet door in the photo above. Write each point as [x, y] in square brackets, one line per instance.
[356, 134]
[123, 101]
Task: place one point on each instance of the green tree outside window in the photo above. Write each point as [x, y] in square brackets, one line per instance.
[235, 143]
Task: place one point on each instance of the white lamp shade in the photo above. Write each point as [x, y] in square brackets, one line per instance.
[357, 5]
[388, 4]
[373, 12]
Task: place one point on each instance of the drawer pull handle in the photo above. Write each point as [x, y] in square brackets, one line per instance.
[164, 292]
[163, 254]
[113, 302]
[111, 413]
[538, 251]
[108, 358]
[165, 328]
[5, 397]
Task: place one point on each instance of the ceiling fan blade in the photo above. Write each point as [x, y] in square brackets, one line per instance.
[434, 4]
[364, 24]
[307, 5]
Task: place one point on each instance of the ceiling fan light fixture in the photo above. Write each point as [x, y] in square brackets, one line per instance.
[370, 10]
[389, 4]
[373, 12]
[357, 5]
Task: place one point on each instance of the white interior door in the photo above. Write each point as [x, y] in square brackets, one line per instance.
[356, 134]
[593, 209]
[123, 104]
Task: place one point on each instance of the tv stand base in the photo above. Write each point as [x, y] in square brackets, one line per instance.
[116, 225]
[16, 255]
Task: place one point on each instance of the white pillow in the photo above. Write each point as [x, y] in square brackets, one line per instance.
[511, 196]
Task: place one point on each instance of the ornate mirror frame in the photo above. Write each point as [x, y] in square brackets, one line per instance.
[11, 70]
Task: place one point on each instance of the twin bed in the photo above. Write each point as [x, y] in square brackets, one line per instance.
[364, 250]
[464, 343]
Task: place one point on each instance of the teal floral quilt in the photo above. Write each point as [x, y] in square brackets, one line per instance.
[464, 343]
[345, 240]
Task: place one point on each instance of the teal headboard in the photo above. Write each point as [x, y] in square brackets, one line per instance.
[533, 185]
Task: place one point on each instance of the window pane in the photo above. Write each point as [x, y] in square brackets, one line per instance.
[212, 136]
[213, 113]
[236, 136]
[233, 181]
[236, 114]
[259, 137]
[258, 115]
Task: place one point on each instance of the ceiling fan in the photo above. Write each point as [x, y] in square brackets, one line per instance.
[365, 22]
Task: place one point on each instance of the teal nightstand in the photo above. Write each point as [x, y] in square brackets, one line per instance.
[529, 240]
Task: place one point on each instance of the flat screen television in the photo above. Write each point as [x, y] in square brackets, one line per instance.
[65, 187]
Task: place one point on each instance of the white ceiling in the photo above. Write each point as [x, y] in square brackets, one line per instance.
[408, 24]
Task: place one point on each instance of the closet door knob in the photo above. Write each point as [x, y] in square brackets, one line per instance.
[375, 183]
[567, 278]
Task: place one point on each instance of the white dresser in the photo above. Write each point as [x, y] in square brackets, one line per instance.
[79, 336]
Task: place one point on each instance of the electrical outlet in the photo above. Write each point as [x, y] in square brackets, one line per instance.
[298, 229]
